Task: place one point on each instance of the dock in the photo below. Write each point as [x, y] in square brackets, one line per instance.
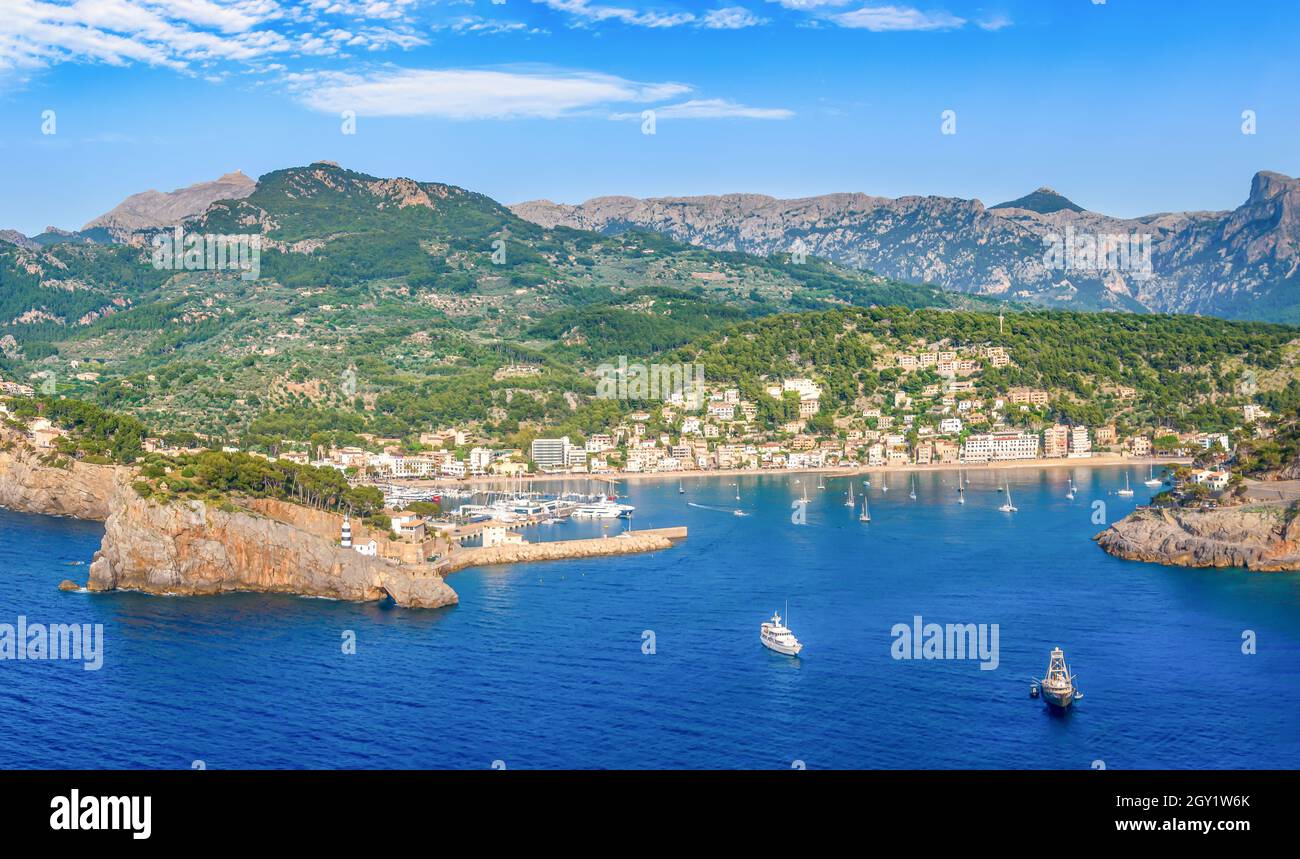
[627, 543]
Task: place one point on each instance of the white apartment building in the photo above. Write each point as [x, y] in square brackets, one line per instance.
[1080, 445]
[550, 452]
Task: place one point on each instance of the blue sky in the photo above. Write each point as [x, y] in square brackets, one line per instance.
[1128, 106]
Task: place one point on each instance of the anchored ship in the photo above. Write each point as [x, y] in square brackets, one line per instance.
[1057, 685]
[776, 636]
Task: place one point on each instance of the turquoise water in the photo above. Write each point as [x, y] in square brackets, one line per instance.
[542, 666]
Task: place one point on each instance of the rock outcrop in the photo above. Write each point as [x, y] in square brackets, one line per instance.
[200, 549]
[178, 548]
[1262, 538]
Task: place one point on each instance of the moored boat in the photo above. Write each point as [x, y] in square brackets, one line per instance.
[776, 636]
[1057, 685]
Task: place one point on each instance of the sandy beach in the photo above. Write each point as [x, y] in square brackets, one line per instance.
[1104, 460]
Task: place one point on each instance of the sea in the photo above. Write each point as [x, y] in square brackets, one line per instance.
[654, 660]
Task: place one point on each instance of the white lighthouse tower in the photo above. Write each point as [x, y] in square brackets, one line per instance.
[345, 539]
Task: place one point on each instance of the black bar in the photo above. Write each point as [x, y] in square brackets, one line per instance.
[207, 808]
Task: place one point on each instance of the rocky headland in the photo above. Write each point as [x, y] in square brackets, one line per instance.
[195, 548]
[1261, 537]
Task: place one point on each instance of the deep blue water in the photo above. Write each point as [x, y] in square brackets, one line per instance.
[541, 666]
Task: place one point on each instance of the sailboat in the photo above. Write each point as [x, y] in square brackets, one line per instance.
[1127, 490]
[821, 482]
[961, 492]
[1152, 480]
[1008, 507]
[865, 515]
[848, 502]
[1070, 494]
[884, 484]
[680, 490]
[912, 494]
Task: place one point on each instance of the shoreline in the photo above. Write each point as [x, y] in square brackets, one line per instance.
[1103, 461]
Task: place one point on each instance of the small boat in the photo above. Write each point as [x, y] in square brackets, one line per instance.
[776, 636]
[1127, 490]
[1008, 507]
[912, 493]
[1152, 480]
[739, 513]
[1070, 494]
[849, 502]
[1058, 684]
[865, 515]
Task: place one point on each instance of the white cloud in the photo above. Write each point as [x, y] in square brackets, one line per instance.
[587, 12]
[192, 35]
[711, 108]
[994, 23]
[881, 19]
[475, 94]
[731, 18]
[884, 18]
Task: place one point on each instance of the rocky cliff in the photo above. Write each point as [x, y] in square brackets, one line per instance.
[1263, 538]
[199, 549]
[79, 490]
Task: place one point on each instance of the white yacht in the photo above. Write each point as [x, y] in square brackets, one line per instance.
[606, 508]
[775, 636]
[1152, 480]
[1008, 507]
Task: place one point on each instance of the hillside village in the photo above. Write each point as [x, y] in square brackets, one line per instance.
[935, 409]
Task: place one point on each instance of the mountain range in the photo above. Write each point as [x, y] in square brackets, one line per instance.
[1243, 263]
[422, 289]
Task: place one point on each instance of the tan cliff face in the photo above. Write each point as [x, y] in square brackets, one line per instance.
[1261, 538]
[198, 549]
[81, 491]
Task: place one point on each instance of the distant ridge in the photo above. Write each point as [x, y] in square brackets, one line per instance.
[1044, 201]
[164, 208]
[1243, 263]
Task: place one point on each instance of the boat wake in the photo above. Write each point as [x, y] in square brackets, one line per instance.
[717, 509]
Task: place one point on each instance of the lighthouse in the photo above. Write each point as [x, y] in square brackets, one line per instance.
[345, 539]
